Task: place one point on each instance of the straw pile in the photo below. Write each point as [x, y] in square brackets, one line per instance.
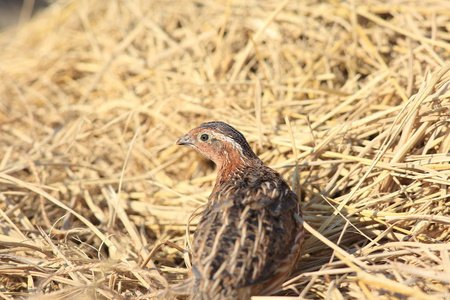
[349, 101]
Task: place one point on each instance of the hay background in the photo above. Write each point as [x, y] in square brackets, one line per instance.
[94, 95]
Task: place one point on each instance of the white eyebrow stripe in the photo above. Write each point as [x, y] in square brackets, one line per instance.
[228, 139]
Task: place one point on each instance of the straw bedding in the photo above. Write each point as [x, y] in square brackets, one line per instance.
[349, 101]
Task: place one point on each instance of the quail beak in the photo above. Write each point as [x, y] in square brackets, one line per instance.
[186, 140]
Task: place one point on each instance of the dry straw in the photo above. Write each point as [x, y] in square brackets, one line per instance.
[349, 101]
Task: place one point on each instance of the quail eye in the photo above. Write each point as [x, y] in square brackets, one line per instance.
[204, 137]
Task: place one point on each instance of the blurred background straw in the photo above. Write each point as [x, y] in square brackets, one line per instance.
[95, 196]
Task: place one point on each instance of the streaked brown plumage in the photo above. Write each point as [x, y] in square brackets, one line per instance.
[248, 239]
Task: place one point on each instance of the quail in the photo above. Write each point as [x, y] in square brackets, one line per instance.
[249, 237]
